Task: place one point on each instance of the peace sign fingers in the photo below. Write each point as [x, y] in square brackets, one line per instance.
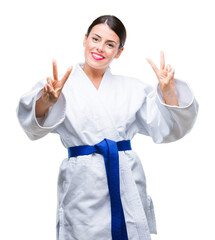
[165, 77]
[154, 67]
[162, 63]
[164, 71]
[53, 87]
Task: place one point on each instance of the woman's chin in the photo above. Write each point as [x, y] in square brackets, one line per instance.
[96, 64]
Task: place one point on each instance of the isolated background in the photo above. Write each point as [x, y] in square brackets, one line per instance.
[180, 175]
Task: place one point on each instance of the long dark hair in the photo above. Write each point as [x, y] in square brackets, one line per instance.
[114, 23]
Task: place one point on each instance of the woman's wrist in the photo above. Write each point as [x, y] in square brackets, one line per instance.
[42, 107]
[170, 98]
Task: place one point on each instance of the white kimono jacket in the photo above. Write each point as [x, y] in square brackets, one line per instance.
[83, 115]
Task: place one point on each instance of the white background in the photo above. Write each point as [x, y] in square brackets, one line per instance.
[180, 175]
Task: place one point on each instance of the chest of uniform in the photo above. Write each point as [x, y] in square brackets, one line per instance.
[99, 107]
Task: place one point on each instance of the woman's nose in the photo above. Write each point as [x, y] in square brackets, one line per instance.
[100, 47]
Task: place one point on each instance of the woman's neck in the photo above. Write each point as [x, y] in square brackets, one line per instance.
[95, 75]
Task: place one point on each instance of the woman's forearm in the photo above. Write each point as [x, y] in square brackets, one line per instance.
[170, 99]
[41, 108]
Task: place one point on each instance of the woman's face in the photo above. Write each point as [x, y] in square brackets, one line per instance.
[101, 46]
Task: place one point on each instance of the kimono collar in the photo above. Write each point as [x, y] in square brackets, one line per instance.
[80, 74]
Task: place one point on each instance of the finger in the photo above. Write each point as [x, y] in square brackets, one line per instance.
[52, 91]
[171, 74]
[49, 80]
[45, 88]
[162, 60]
[45, 94]
[55, 73]
[65, 77]
[154, 67]
[168, 68]
[50, 88]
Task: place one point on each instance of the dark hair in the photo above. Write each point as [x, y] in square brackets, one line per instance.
[114, 23]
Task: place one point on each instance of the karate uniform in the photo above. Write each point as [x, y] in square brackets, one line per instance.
[83, 115]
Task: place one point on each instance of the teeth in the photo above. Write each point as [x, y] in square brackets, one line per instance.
[97, 56]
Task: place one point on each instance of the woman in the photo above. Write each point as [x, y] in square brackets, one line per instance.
[101, 186]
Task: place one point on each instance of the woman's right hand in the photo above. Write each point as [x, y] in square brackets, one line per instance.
[53, 87]
[51, 91]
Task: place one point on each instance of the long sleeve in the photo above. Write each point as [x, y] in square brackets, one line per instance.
[165, 123]
[34, 127]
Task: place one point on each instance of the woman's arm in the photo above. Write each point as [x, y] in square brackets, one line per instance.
[170, 111]
[42, 109]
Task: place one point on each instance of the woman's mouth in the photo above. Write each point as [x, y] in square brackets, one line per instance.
[97, 56]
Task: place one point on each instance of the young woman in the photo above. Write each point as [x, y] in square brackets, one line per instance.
[101, 187]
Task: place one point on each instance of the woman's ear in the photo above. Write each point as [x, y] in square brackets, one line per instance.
[119, 52]
[85, 39]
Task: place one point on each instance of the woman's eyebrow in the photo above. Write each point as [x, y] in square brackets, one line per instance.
[101, 37]
[97, 35]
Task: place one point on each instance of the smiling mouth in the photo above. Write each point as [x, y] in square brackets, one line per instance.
[97, 56]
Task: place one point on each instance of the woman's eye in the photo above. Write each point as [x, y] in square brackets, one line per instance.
[110, 45]
[95, 39]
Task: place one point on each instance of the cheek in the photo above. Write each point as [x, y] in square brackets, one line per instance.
[112, 53]
[89, 45]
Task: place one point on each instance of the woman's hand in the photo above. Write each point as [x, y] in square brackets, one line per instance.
[51, 91]
[165, 77]
[53, 87]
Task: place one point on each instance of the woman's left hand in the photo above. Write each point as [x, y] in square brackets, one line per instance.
[165, 77]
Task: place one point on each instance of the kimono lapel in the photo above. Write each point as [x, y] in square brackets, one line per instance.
[92, 100]
[87, 81]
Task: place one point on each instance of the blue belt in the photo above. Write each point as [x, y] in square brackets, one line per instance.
[109, 149]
